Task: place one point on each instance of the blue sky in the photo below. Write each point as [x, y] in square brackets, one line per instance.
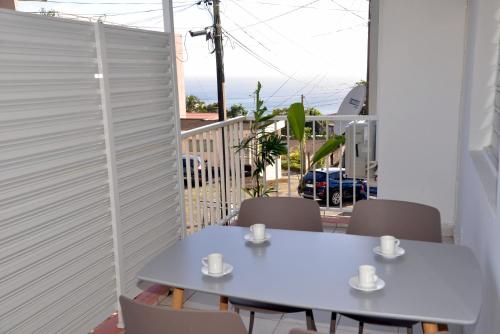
[307, 46]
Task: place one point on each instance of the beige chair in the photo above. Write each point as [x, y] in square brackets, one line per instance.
[147, 319]
[285, 213]
[404, 220]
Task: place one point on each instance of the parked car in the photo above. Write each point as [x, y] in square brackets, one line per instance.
[306, 187]
[199, 168]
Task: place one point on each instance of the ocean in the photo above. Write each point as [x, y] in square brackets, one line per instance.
[324, 95]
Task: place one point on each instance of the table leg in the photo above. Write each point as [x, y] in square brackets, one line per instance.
[177, 298]
[224, 303]
[442, 327]
[429, 328]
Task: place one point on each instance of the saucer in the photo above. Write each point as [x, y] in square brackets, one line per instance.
[354, 283]
[227, 269]
[399, 252]
[249, 237]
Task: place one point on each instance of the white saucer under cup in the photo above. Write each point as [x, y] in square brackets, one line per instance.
[354, 283]
[399, 252]
[226, 270]
[249, 237]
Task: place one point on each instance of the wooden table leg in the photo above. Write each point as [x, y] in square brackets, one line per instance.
[224, 303]
[429, 328]
[442, 327]
[178, 298]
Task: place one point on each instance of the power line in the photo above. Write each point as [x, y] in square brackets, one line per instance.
[341, 29]
[308, 7]
[279, 15]
[246, 32]
[256, 56]
[298, 91]
[301, 47]
[279, 88]
[348, 10]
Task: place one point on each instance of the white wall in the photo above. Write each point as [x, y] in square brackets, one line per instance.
[478, 218]
[420, 62]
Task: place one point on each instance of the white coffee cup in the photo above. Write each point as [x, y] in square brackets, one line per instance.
[366, 276]
[258, 231]
[214, 262]
[388, 244]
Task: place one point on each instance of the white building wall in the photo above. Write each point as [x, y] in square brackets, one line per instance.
[478, 217]
[420, 62]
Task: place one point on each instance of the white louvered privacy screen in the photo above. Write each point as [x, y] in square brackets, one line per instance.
[494, 148]
[89, 186]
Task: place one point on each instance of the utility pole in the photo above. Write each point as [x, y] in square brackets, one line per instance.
[216, 36]
[219, 59]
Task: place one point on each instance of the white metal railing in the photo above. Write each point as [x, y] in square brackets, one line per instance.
[214, 177]
[214, 180]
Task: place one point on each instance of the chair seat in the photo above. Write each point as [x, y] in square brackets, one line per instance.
[260, 307]
[382, 321]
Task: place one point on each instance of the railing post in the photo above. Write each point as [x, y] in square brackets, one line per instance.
[103, 77]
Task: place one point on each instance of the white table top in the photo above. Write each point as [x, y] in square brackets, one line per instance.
[432, 282]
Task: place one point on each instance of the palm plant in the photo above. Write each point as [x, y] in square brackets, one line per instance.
[264, 147]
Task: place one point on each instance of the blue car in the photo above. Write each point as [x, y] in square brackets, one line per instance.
[306, 186]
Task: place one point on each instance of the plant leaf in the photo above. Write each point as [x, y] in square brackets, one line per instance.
[297, 119]
[328, 147]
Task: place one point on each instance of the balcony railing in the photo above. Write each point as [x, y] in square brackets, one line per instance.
[215, 177]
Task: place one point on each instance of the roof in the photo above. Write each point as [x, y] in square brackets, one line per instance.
[206, 116]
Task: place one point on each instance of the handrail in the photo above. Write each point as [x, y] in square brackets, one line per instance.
[209, 127]
[328, 118]
[213, 126]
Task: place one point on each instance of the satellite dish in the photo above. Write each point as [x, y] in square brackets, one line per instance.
[351, 105]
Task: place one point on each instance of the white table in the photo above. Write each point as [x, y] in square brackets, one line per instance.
[432, 283]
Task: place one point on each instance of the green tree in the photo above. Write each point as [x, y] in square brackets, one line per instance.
[236, 110]
[194, 104]
[213, 107]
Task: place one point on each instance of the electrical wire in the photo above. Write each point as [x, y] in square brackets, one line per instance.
[298, 91]
[256, 56]
[349, 11]
[279, 15]
[279, 88]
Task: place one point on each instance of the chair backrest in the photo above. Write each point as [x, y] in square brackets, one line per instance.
[285, 213]
[147, 319]
[405, 220]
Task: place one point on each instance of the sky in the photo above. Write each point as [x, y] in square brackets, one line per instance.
[311, 47]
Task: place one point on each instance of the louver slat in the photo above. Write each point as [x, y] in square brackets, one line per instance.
[142, 108]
